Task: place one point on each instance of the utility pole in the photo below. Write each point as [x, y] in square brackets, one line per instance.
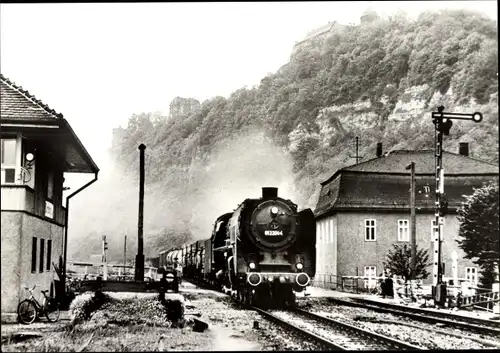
[125, 253]
[139, 259]
[104, 258]
[442, 123]
[413, 223]
[358, 157]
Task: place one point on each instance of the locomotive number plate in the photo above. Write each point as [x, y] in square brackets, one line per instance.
[273, 232]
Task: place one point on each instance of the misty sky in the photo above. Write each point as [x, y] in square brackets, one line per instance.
[100, 63]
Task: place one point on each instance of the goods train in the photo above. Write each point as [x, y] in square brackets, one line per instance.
[262, 253]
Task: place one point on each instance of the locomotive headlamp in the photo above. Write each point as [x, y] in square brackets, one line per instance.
[299, 266]
[252, 265]
[274, 210]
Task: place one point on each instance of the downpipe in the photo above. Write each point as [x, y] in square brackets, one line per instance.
[66, 220]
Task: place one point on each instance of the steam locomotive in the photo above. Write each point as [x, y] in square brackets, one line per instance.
[262, 253]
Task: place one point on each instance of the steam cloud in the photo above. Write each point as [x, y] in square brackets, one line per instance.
[185, 206]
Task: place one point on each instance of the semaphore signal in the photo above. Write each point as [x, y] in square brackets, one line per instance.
[443, 122]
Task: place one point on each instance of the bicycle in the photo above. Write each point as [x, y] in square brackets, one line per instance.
[29, 309]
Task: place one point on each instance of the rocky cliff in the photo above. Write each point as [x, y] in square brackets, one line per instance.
[183, 107]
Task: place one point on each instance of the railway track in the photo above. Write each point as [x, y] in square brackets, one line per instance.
[331, 334]
[472, 320]
[482, 327]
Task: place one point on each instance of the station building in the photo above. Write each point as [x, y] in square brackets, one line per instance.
[364, 209]
[37, 147]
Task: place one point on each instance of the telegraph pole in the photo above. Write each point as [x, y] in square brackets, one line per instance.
[104, 258]
[125, 253]
[442, 123]
[357, 155]
[413, 222]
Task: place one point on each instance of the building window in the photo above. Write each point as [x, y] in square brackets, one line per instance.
[471, 274]
[370, 272]
[403, 230]
[49, 254]
[8, 152]
[370, 230]
[42, 250]
[434, 229]
[33, 255]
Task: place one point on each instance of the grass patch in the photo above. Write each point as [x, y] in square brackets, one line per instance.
[113, 338]
[120, 322]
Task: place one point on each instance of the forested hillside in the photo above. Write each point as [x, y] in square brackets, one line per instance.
[378, 80]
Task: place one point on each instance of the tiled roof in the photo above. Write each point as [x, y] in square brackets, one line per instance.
[383, 182]
[396, 161]
[19, 104]
[354, 190]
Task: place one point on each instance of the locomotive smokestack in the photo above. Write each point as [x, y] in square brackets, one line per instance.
[269, 192]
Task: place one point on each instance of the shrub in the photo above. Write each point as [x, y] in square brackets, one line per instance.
[85, 304]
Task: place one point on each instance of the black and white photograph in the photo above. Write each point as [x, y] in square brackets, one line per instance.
[249, 176]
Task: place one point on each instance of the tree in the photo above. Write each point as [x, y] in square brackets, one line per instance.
[479, 229]
[488, 276]
[399, 262]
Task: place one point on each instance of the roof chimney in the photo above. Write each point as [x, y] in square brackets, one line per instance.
[463, 149]
[269, 192]
[379, 149]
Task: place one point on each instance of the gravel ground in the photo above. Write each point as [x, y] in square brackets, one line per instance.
[325, 331]
[128, 324]
[226, 319]
[404, 329]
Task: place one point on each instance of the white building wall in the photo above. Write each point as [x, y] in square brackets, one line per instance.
[326, 250]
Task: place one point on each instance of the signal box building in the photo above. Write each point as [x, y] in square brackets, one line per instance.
[364, 209]
[37, 147]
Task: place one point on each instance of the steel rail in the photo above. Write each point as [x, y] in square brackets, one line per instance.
[421, 315]
[473, 320]
[393, 343]
[323, 343]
